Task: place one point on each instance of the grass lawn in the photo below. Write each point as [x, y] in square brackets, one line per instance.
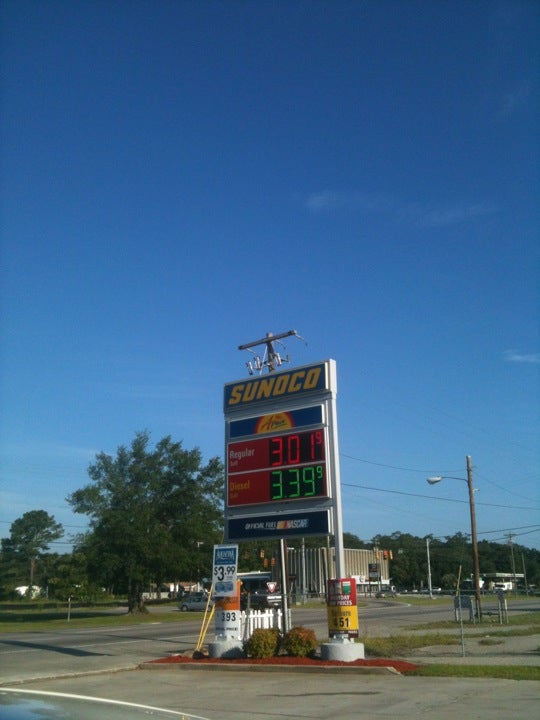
[522, 625]
[34, 619]
[504, 672]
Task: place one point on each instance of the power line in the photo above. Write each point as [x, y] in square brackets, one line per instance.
[434, 497]
[76, 527]
[393, 467]
[505, 538]
[501, 487]
[522, 527]
[442, 472]
[457, 424]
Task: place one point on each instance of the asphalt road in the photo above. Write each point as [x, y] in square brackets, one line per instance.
[287, 695]
[31, 655]
[80, 662]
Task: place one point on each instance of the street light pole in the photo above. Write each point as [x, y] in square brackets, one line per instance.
[474, 540]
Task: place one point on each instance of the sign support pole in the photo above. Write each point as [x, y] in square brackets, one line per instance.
[334, 458]
[284, 584]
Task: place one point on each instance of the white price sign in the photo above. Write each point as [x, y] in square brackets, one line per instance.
[227, 623]
[225, 570]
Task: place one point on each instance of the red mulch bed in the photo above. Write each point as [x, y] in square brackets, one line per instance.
[400, 665]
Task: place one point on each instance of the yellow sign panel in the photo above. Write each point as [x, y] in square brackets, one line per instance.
[343, 620]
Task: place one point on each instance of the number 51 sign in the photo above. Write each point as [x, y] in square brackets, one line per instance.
[225, 570]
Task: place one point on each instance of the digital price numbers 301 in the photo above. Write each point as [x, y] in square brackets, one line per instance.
[284, 467]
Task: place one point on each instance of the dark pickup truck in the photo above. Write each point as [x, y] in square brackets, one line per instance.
[258, 592]
[260, 600]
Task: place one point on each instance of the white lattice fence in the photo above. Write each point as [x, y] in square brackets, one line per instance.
[260, 619]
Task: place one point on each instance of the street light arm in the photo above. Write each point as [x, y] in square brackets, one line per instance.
[438, 478]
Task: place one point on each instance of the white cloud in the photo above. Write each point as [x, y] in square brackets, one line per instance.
[325, 200]
[416, 213]
[516, 357]
[512, 101]
[440, 217]
[33, 452]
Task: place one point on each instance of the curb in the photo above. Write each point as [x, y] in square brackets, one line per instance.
[236, 667]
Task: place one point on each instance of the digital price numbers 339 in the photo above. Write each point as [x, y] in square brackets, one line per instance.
[283, 467]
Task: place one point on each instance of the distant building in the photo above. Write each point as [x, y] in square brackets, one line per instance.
[504, 581]
[22, 591]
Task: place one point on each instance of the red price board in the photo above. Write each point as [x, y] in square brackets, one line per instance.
[277, 451]
[287, 467]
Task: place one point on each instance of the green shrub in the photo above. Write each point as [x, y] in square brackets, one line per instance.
[263, 643]
[299, 642]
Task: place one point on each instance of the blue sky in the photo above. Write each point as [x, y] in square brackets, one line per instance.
[179, 178]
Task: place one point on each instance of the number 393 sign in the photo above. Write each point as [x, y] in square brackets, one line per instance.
[225, 570]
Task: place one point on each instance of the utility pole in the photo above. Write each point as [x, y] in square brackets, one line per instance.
[510, 542]
[430, 588]
[476, 564]
[524, 575]
[474, 539]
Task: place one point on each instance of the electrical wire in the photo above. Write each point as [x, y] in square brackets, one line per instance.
[432, 497]
[392, 467]
[440, 472]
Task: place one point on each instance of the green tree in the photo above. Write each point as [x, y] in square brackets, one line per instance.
[408, 566]
[30, 537]
[354, 542]
[151, 513]
[66, 576]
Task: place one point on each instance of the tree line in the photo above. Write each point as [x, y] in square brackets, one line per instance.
[155, 513]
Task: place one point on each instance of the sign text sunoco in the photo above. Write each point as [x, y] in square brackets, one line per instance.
[278, 386]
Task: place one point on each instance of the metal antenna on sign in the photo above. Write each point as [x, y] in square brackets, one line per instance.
[271, 358]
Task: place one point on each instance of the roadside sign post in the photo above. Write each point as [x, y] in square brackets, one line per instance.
[342, 609]
[282, 458]
[227, 613]
[227, 592]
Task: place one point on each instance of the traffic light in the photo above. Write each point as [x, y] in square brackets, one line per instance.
[391, 555]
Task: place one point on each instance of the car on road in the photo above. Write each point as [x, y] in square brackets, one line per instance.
[198, 601]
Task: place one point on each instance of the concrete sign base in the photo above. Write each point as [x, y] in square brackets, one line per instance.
[230, 649]
[342, 650]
